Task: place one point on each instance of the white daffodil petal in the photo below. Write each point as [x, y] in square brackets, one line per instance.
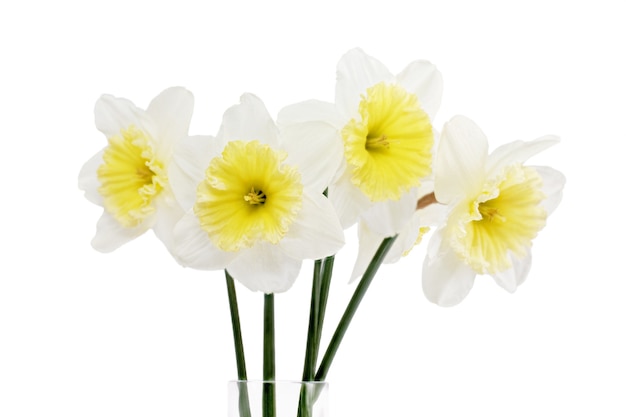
[316, 148]
[446, 280]
[517, 152]
[357, 71]
[187, 168]
[249, 120]
[316, 232]
[110, 234]
[114, 114]
[368, 245]
[266, 268]
[425, 81]
[348, 200]
[460, 161]
[389, 218]
[553, 183]
[309, 111]
[167, 216]
[193, 248]
[506, 279]
[88, 179]
[516, 275]
[173, 101]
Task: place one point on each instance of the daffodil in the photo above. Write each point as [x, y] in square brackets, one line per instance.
[387, 135]
[497, 205]
[129, 177]
[255, 199]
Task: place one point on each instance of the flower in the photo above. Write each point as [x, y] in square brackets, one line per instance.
[129, 177]
[256, 200]
[497, 206]
[385, 125]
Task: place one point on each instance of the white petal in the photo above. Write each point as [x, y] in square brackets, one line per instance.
[316, 232]
[114, 114]
[406, 239]
[460, 162]
[88, 179]
[171, 113]
[368, 245]
[249, 120]
[517, 152]
[424, 80]
[356, 72]
[191, 158]
[552, 187]
[193, 248]
[265, 267]
[309, 111]
[168, 214]
[516, 275]
[446, 280]
[389, 218]
[316, 149]
[110, 235]
[348, 200]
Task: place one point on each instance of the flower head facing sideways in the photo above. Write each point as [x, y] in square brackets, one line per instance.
[385, 124]
[129, 177]
[497, 205]
[256, 198]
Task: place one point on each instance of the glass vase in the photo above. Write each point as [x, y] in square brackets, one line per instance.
[277, 399]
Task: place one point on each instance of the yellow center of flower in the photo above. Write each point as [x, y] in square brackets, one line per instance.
[248, 195]
[130, 177]
[503, 220]
[390, 149]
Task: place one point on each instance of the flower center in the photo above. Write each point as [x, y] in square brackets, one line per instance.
[390, 149]
[130, 177]
[502, 221]
[248, 195]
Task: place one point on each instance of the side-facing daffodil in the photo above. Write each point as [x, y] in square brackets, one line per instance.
[129, 177]
[255, 199]
[497, 205]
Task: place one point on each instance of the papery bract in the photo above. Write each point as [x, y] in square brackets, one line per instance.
[129, 178]
[254, 194]
[496, 206]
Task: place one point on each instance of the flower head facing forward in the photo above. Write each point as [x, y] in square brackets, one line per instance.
[129, 178]
[388, 149]
[497, 207]
[388, 139]
[256, 202]
[248, 195]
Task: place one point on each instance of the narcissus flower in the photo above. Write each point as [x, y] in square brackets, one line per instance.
[385, 125]
[256, 198]
[129, 177]
[497, 207]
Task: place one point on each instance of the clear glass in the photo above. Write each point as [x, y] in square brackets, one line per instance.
[277, 399]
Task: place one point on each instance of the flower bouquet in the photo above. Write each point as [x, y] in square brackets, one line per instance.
[262, 195]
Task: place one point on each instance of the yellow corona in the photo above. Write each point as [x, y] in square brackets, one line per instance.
[248, 195]
[130, 177]
[389, 150]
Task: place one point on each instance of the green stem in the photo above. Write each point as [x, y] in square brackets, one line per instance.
[359, 292]
[327, 274]
[269, 358]
[244, 402]
[309, 359]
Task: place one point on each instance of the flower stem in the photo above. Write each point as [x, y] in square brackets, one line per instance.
[309, 359]
[244, 401]
[359, 292]
[269, 360]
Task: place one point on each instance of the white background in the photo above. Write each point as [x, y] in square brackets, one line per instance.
[133, 334]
